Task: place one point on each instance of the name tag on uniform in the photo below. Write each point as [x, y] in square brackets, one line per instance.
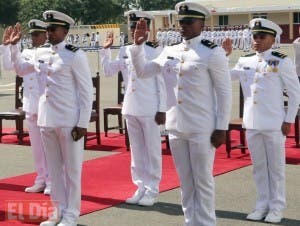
[246, 68]
[125, 57]
[170, 58]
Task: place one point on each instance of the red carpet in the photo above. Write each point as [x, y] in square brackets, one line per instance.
[114, 142]
[107, 182]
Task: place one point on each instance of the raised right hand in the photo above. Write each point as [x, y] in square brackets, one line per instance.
[6, 35]
[109, 40]
[141, 32]
[16, 34]
[227, 46]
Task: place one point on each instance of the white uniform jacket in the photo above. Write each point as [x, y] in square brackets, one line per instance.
[263, 77]
[296, 44]
[143, 97]
[198, 69]
[5, 57]
[24, 66]
[68, 95]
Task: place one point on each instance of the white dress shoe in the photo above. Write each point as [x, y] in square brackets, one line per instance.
[47, 190]
[139, 193]
[67, 222]
[53, 219]
[257, 215]
[35, 188]
[147, 200]
[49, 223]
[273, 217]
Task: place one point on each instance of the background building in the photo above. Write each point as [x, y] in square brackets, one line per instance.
[228, 13]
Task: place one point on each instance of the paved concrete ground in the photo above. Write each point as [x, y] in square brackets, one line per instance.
[235, 194]
[235, 191]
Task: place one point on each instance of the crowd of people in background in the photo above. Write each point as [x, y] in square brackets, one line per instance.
[85, 40]
[167, 37]
[239, 34]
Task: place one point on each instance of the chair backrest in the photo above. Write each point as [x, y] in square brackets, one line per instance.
[285, 98]
[241, 102]
[19, 92]
[121, 88]
[96, 99]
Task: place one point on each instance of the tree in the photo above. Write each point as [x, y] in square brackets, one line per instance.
[128, 4]
[73, 8]
[82, 11]
[157, 4]
[8, 12]
[148, 5]
[33, 9]
[101, 11]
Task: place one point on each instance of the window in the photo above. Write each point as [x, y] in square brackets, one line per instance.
[259, 15]
[297, 18]
[223, 20]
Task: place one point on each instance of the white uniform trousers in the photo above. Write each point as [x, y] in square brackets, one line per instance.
[267, 150]
[194, 157]
[146, 159]
[38, 151]
[64, 157]
[234, 42]
[246, 42]
[240, 44]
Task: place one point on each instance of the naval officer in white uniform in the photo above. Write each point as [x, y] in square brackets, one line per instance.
[64, 113]
[144, 108]
[264, 75]
[24, 67]
[296, 45]
[198, 121]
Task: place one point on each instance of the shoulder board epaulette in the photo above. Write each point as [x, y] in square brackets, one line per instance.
[278, 54]
[30, 47]
[47, 45]
[152, 44]
[249, 55]
[72, 48]
[128, 43]
[176, 43]
[208, 43]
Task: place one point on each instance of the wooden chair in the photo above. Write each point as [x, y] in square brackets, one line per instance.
[95, 115]
[127, 143]
[115, 110]
[165, 138]
[18, 115]
[297, 133]
[236, 124]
